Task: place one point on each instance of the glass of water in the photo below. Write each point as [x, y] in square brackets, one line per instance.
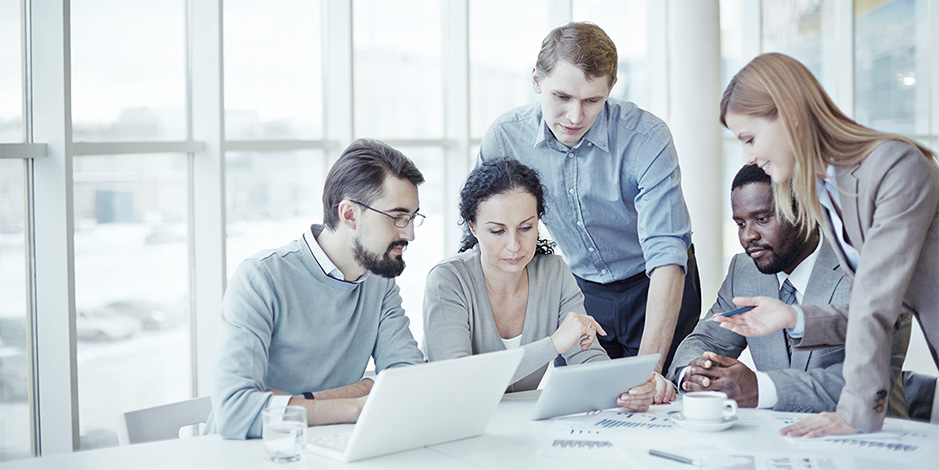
[284, 432]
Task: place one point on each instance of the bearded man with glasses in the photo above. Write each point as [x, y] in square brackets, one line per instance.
[301, 322]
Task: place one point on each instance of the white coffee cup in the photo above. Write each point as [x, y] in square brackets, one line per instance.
[707, 406]
[284, 432]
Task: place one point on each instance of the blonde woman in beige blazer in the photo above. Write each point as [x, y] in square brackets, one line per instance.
[877, 197]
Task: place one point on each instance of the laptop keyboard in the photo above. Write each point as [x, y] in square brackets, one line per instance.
[333, 441]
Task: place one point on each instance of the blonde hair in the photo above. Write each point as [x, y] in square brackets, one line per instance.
[775, 85]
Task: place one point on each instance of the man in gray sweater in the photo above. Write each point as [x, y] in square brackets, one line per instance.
[300, 322]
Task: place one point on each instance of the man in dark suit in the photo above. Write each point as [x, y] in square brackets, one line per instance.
[786, 264]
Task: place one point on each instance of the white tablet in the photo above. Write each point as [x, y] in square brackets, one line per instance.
[591, 386]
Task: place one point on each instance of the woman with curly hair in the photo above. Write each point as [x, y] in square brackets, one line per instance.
[506, 289]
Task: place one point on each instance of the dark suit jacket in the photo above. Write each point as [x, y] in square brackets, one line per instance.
[890, 208]
[812, 380]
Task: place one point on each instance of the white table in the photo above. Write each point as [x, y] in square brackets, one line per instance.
[511, 441]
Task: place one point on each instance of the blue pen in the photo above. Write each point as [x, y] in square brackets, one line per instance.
[735, 311]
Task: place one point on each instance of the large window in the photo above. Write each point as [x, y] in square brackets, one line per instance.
[132, 288]
[273, 92]
[11, 87]
[502, 51]
[891, 66]
[128, 70]
[272, 198]
[14, 377]
[273, 75]
[130, 213]
[14, 365]
[805, 30]
[398, 77]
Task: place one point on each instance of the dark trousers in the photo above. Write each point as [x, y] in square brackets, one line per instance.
[620, 308]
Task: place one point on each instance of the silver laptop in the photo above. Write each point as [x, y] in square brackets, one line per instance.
[423, 405]
[591, 386]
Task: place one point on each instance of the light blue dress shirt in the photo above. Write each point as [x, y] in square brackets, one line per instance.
[613, 202]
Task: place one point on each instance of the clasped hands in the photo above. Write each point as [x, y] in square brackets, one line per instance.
[712, 371]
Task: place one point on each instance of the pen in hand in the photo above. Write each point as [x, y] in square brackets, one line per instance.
[673, 457]
[735, 311]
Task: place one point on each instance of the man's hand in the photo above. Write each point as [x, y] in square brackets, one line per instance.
[819, 425]
[715, 372]
[768, 316]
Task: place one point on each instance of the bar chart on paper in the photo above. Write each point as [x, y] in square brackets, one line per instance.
[894, 443]
[626, 420]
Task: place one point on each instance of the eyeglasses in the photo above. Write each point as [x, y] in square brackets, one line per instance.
[400, 221]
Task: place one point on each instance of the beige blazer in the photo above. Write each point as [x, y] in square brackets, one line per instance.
[890, 208]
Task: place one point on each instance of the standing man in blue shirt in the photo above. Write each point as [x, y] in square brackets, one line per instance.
[615, 206]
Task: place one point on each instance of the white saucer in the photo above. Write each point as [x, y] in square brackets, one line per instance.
[706, 426]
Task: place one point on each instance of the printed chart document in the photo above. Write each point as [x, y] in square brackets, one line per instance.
[743, 461]
[605, 437]
[898, 441]
[618, 434]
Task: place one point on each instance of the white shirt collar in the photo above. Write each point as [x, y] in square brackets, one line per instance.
[325, 263]
[801, 274]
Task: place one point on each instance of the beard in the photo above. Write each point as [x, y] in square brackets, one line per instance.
[384, 265]
[781, 259]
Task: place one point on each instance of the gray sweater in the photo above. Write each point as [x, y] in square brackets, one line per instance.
[458, 319]
[286, 325]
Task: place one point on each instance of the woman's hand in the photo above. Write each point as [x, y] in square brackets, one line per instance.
[656, 390]
[824, 424]
[769, 315]
[576, 327]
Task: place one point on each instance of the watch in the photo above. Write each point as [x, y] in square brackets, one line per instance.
[308, 395]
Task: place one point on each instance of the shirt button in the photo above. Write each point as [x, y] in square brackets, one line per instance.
[571, 190]
[590, 249]
[579, 224]
[589, 144]
[603, 271]
[570, 155]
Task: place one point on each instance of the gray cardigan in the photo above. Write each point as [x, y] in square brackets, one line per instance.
[458, 319]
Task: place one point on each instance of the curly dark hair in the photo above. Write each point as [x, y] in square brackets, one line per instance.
[499, 176]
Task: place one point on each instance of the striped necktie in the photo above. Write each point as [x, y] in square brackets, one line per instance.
[787, 293]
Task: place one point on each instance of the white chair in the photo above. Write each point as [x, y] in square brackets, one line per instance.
[934, 419]
[163, 422]
[921, 393]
